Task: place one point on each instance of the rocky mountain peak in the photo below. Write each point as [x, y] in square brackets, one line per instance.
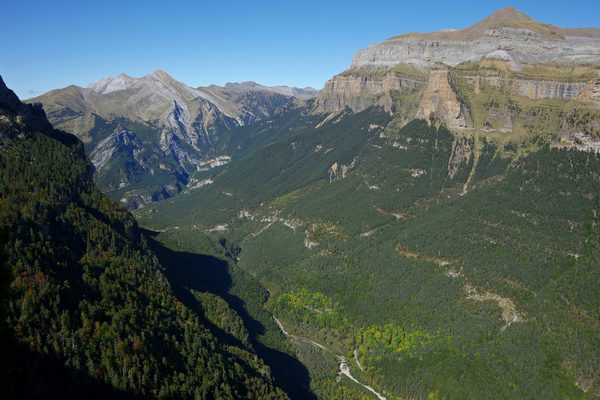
[506, 15]
[109, 84]
[181, 126]
[162, 75]
[511, 18]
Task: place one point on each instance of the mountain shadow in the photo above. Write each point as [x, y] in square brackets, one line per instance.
[31, 375]
[190, 271]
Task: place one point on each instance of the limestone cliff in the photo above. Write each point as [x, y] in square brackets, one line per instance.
[362, 88]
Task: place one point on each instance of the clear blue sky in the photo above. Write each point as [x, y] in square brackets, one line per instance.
[53, 43]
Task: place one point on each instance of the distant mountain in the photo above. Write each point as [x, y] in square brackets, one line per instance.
[508, 31]
[171, 130]
[244, 87]
[490, 78]
[86, 309]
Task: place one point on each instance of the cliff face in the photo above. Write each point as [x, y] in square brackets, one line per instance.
[548, 89]
[362, 88]
[521, 46]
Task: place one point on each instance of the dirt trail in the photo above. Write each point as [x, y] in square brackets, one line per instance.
[344, 369]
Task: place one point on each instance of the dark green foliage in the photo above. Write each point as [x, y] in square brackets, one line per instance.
[421, 240]
[195, 264]
[90, 311]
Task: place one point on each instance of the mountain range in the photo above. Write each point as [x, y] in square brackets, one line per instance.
[430, 228]
[152, 137]
[147, 137]
[426, 226]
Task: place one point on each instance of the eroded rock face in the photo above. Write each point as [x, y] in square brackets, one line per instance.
[440, 101]
[362, 89]
[548, 89]
[338, 171]
[120, 140]
[461, 153]
[591, 94]
[581, 131]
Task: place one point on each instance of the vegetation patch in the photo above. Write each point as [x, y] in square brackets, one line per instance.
[309, 307]
[376, 342]
[317, 232]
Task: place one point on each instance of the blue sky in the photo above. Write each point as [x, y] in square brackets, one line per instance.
[51, 44]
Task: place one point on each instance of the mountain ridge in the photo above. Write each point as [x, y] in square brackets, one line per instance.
[178, 129]
[505, 17]
[507, 29]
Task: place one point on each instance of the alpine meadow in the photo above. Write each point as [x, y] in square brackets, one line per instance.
[424, 226]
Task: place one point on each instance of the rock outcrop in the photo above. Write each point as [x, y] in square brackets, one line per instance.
[440, 101]
[581, 130]
[535, 89]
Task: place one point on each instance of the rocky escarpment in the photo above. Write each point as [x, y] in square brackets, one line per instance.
[548, 89]
[120, 140]
[581, 130]
[522, 46]
[362, 88]
[495, 75]
[536, 99]
[137, 171]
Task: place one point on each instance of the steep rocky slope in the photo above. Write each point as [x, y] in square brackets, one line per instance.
[148, 136]
[503, 76]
